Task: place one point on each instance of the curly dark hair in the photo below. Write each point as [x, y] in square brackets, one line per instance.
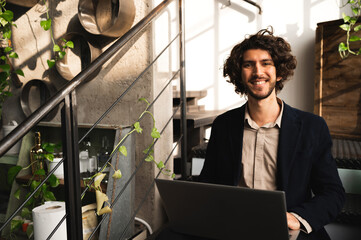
[277, 47]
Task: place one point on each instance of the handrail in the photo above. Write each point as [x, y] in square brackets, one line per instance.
[8, 141]
[65, 95]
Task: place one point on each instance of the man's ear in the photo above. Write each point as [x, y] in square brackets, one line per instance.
[278, 79]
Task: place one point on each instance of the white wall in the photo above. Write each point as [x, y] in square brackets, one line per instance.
[213, 28]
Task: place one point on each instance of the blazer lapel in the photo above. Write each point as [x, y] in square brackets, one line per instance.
[289, 137]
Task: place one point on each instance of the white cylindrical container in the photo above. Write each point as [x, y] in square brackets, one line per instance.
[16, 148]
[92, 164]
[59, 172]
[83, 161]
[46, 217]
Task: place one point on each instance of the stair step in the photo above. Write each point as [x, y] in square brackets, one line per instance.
[195, 108]
[191, 94]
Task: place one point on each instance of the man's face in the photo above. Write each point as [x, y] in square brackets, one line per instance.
[259, 73]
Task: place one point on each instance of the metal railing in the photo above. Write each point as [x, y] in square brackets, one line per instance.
[70, 142]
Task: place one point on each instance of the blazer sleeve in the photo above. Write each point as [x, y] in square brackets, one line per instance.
[328, 195]
[221, 164]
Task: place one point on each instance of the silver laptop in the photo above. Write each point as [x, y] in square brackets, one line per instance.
[224, 212]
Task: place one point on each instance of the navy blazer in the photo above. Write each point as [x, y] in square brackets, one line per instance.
[306, 170]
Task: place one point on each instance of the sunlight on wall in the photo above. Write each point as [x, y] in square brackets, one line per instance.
[213, 28]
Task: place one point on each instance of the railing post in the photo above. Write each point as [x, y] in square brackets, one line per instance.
[183, 97]
[71, 168]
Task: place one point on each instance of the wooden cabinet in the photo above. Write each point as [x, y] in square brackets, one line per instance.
[337, 82]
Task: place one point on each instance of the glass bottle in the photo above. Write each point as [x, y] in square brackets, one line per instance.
[36, 155]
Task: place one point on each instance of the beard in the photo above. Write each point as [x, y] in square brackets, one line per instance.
[259, 96]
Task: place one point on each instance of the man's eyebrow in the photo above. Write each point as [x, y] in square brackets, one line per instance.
[263, 60]
[267, 60]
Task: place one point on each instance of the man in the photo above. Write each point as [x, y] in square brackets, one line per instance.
[267, 144]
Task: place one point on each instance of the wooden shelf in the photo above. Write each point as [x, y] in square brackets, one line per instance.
[25, 179]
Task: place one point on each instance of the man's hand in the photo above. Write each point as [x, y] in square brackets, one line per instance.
[293, 222]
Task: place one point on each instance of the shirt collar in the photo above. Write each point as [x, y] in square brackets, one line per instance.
[248, 120]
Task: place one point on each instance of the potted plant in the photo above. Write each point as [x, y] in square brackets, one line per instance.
[45, 193]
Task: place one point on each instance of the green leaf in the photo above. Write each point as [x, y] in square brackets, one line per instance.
[7, 34]
[12, 173]
[345, 27]
[117, 174]
[56, 48]
[147, 149]
[3, 21]
[155, 133]
[354, 38]
[353, 20]
[40, 172]
[342, 47]
[34, 184]
[53, 181]
[8, 15]
[25, 213]
[31, 200]
[345, 17]
[7, 49]
[49, 156]
[5, 67]
[46, 24]
[30, 231]
[61, 54]
[13, 55]
[137, 127]
[355, 10]
[160, 165]
[51, 63]
[49, 196]
[149, 158]
[3, 58]
[17, 194]
[50, 147]
[359, 52]
[19, 72]
[15, 224]
[173, 175]
[357, 28]
[69, 44]
[123, 150]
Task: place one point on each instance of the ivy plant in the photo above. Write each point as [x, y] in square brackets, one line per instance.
[101, 197]
[6, 52]
[351, 26]
[58, 50]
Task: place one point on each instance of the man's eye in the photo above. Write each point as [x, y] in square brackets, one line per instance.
[246, 65]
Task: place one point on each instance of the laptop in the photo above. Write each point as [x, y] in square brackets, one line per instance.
[224, 212]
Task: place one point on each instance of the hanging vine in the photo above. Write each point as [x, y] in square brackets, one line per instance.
[351, 26]
[6, 52]
[58, 50]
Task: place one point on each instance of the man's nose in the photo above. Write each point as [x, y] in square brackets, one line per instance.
[257, 69]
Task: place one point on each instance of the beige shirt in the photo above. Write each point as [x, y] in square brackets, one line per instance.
[259, 156]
